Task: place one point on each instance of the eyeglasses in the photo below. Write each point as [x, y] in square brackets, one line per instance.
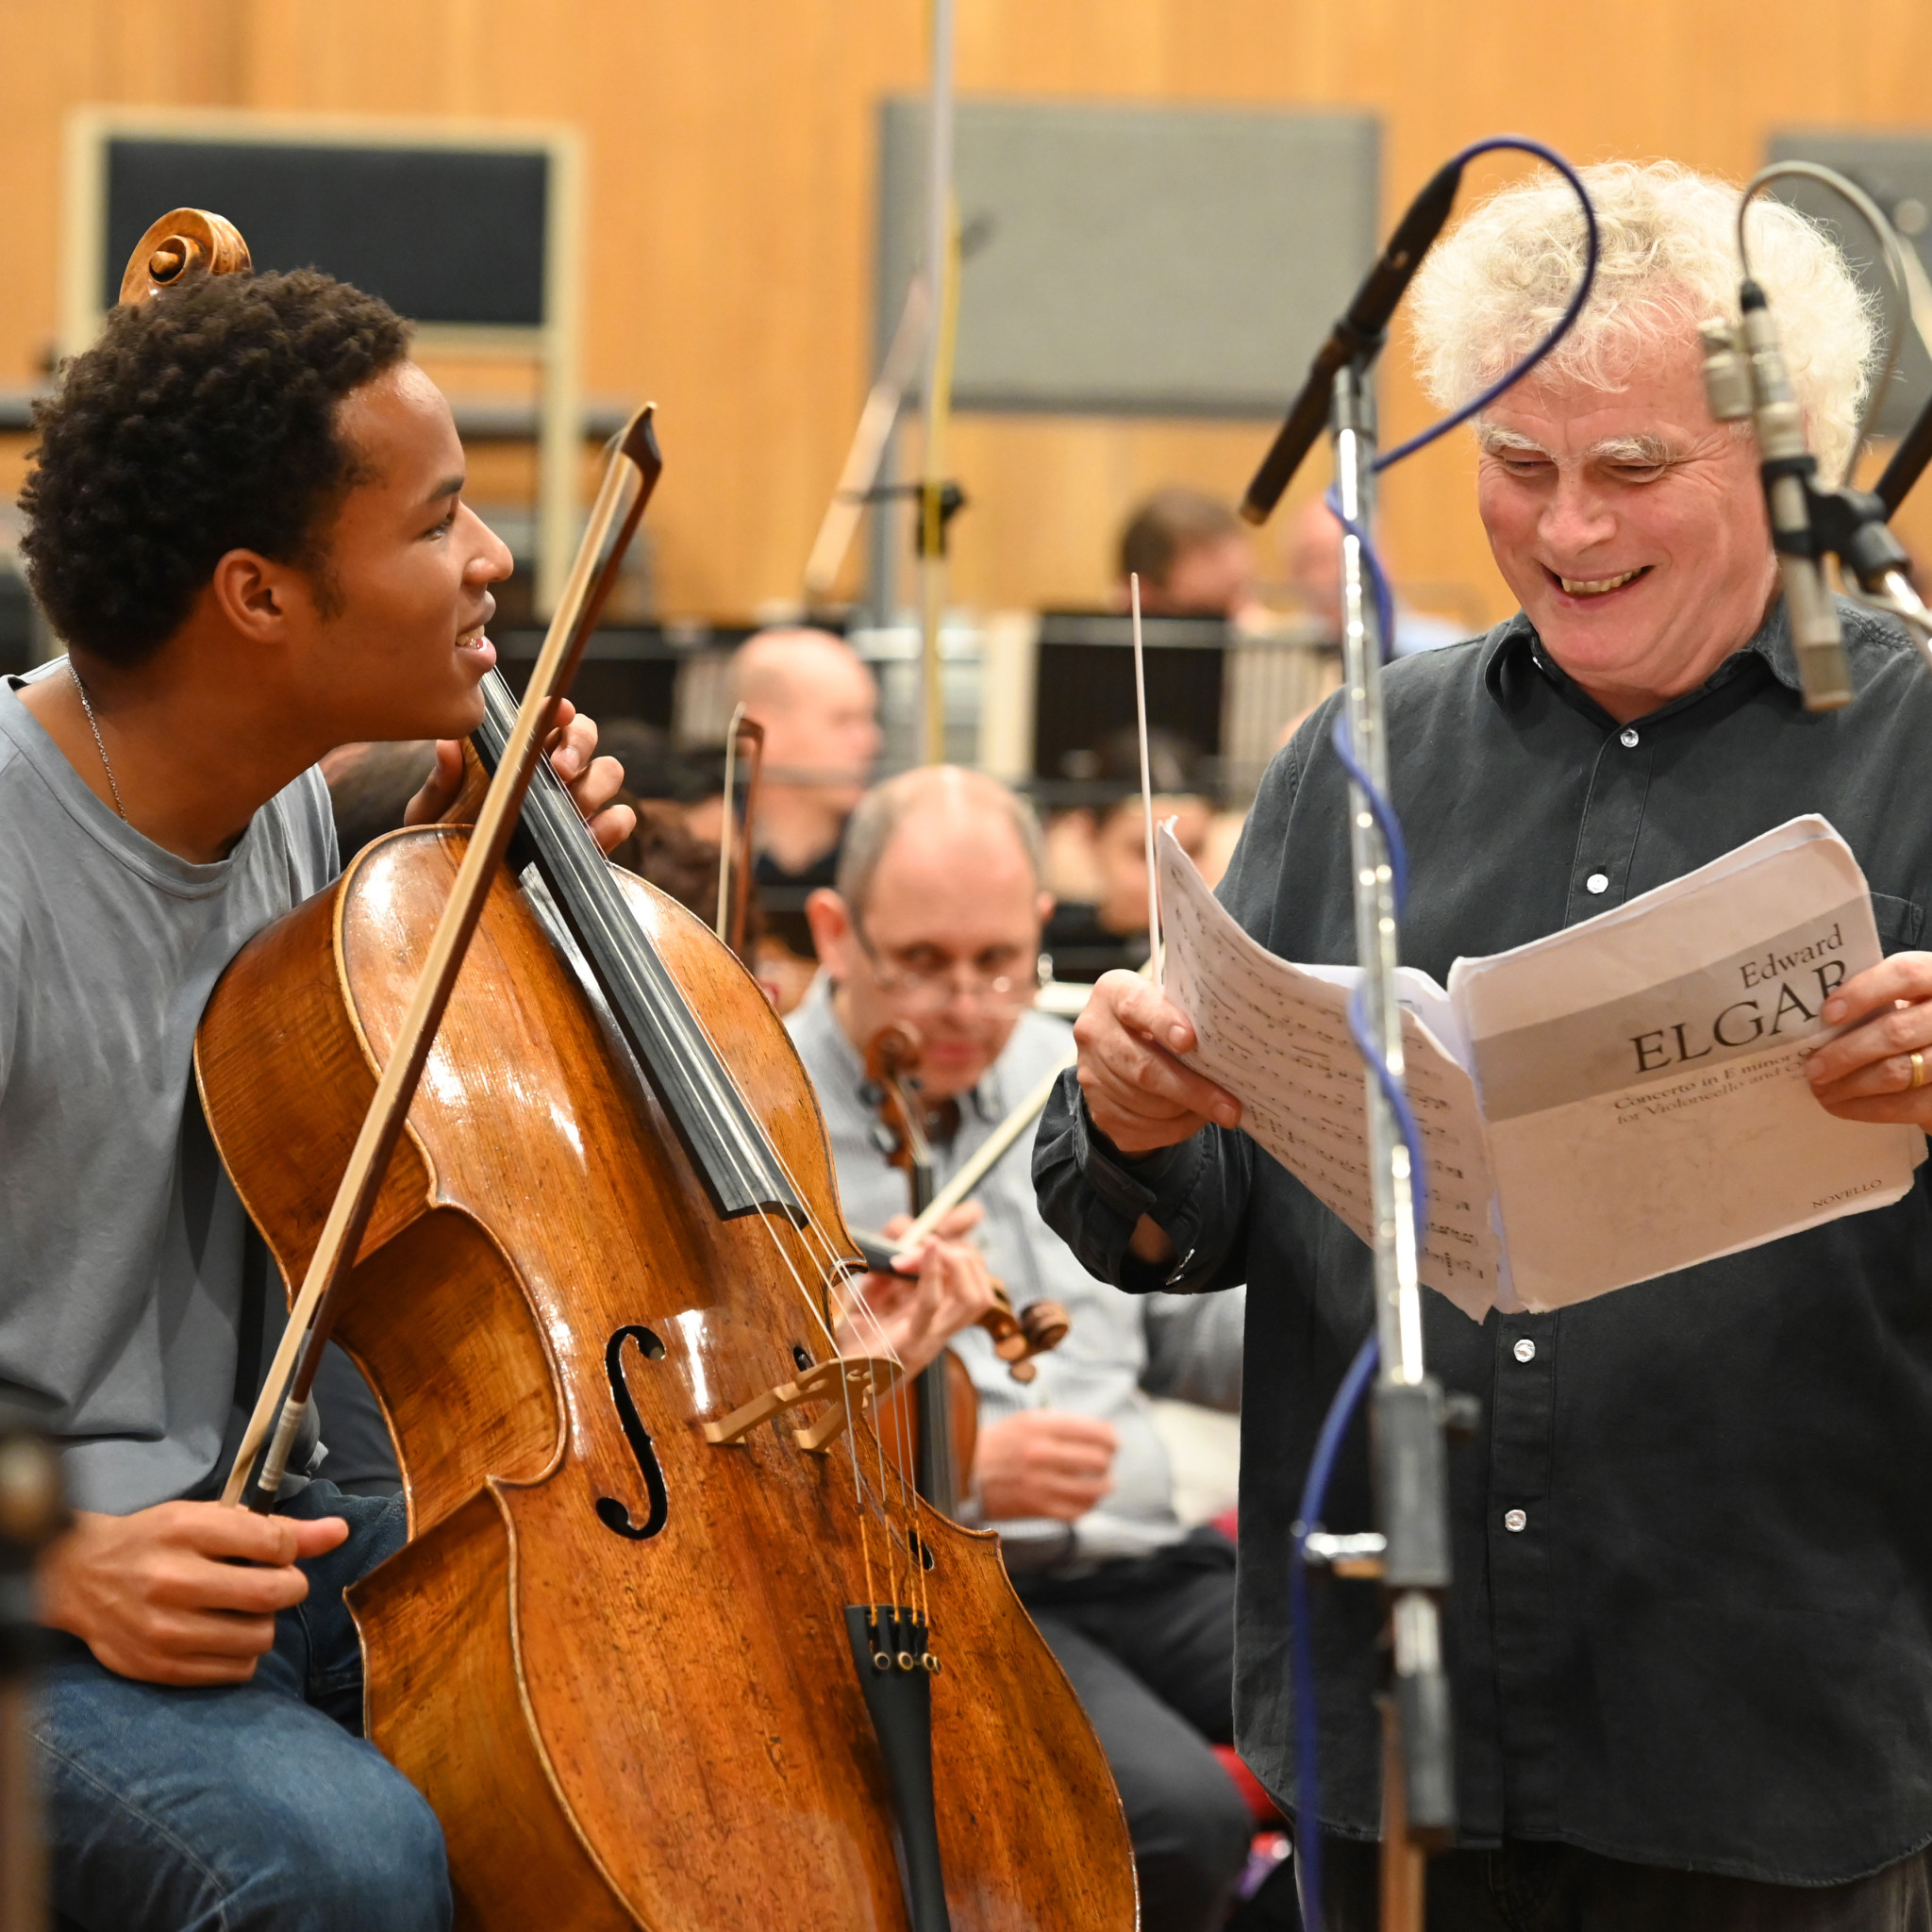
[933, 989]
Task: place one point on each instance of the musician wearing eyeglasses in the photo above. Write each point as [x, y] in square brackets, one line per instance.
[935, 922]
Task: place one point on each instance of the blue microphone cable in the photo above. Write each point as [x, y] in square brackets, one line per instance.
[1362, 1370]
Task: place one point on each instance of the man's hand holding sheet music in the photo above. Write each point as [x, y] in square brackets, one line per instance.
[1616, 1101]
[1880, 1071]
[1140, 1095]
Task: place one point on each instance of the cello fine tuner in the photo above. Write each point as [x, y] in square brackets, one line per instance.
[902, 1638]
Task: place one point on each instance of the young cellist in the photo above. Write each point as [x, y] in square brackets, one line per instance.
[246, 523]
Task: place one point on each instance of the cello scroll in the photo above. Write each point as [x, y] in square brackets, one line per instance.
[184, 245]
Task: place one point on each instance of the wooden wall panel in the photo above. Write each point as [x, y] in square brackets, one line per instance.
[730, 198]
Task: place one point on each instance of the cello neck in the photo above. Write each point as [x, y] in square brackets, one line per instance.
[724, 1139]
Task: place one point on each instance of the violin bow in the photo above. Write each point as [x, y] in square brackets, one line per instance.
[984, 1157]
[1146, 785]
[631, 470]
[733, 923]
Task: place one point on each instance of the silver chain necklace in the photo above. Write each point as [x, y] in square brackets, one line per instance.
[93, 724]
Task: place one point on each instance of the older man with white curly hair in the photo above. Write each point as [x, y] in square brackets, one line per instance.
[1690, 1635]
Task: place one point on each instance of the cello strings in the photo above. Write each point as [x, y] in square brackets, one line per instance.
[829, 1277]
[829, 1272]
[828, 1269]
[896, 1472]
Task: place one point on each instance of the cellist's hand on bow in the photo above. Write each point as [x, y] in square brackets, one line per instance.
[571, 747]
[181, 1593]
[914, 1315]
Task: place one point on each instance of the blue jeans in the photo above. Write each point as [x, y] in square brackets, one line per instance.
[250, 1805]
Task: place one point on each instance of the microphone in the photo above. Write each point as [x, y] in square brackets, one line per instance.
[1787, 468]
[1359, 333]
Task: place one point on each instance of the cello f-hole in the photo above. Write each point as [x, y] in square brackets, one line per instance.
[610, 1512]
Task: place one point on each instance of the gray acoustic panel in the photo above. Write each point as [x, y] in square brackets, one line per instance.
[1136, 260]
[1895, 170]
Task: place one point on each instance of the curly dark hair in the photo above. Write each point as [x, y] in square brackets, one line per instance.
[202, 422]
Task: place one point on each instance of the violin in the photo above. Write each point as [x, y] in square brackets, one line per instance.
[944, 1426]
[946, 1407]
[670, 1646]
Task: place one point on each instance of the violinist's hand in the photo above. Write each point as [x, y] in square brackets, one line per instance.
[913, 1314]
[1140, 1095]
[181, 1593]
[1866, 1072]
[1044, 1462]
[593, 782]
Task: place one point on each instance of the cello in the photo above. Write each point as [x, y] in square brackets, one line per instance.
[669, 1645]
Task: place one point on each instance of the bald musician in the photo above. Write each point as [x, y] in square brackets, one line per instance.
[936, 921]
[819, 706]
[1691, 1629]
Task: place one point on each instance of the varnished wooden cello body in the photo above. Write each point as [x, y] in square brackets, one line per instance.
[636, 1670]
[657, 1723]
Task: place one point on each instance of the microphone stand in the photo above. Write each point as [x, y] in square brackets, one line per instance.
[1907, 462]
[943, 259]
[1408, 1413]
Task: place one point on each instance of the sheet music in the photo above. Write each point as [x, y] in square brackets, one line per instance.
[1642, 1074]
[1275, 1035]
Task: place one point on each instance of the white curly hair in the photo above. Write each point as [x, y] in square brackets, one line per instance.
[1667, 260]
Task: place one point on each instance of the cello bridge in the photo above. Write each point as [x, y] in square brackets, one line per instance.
[846, 1383]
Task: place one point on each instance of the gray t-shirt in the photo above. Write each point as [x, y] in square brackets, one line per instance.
[121, 1237]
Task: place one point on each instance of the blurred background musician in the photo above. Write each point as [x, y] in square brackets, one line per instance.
[1311, 551]
[936, 921]
[819, 706]
[370, 786]
[688, 779]
[1100, 852]
[1191, 553]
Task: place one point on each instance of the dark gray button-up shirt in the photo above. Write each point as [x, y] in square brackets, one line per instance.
[1692, 1623]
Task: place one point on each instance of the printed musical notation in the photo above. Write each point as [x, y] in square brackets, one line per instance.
[1277, 1036]
[1649, 1054]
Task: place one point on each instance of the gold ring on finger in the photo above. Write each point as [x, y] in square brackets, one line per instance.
[1918, 1068]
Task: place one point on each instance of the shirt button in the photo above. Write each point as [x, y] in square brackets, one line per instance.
[1627, 738]
[1525, 1350]
[1515, 1520]
[1597, 882]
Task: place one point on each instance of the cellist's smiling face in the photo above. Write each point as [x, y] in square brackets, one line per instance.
[395, 634]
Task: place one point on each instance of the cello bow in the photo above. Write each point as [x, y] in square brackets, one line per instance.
[631, 470]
